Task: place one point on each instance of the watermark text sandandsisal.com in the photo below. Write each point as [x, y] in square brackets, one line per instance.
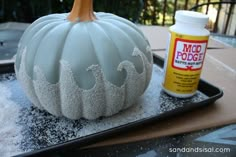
[199, 150]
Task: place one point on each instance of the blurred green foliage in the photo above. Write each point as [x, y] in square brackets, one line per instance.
[148, 12]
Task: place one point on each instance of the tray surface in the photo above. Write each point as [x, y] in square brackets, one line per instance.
[24, 128]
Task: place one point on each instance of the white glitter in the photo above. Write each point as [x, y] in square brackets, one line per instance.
[41, 129]
[10, 135]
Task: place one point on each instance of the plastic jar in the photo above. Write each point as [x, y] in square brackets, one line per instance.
[185, 53]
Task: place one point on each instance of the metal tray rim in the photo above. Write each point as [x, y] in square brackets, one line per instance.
[83, 141]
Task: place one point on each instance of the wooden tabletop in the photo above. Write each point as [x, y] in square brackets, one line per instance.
[158, 37]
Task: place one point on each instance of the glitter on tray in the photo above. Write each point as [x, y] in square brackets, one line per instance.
[168, 103]
[38, 129]
[10, 132]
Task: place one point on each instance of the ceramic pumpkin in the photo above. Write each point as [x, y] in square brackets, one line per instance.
[83, 64]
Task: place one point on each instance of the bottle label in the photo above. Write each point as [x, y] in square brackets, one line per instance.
[184, 63]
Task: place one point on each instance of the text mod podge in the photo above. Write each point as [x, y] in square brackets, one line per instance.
[185, 54]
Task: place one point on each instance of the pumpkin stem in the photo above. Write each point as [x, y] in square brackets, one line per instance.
[82, 10]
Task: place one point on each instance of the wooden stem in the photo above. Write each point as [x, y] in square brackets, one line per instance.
[82, 10]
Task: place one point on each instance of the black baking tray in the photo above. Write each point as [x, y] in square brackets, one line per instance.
[211, 92]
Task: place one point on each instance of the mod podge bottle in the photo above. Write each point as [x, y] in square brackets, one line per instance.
[185, 53]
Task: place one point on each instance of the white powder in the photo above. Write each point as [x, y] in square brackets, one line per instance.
[41, 129]
[10, 135]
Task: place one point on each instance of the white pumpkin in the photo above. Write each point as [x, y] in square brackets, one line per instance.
[83, 64]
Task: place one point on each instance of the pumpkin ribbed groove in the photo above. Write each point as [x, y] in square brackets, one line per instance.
[93, 50]
[130, 31]
[31, 71]
[110, 66]
[34, 42]
[42, 51]
[28, 37]
[103, 96]
[124, 21]
[116, 50]
[59, 69]
[135, 60]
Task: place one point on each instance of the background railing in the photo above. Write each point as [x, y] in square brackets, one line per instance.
[224, 18]
[222, 13]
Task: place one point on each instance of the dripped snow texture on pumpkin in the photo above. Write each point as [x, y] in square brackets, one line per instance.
[30, 128]
[68, 99]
